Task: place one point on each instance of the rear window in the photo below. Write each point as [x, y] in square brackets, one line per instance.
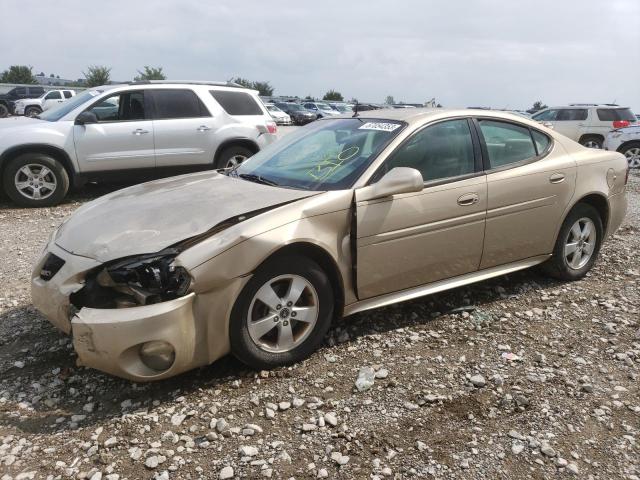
[572, 114]
[172, 103]
[237, 103]
[614, 114]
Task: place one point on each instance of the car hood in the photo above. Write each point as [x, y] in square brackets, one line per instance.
[6, 124]
[152, 216]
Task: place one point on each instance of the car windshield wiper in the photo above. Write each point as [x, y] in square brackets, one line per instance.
[257, 179]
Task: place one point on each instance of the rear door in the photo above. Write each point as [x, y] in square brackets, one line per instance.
[183, 128]
[571, 122]
[123, 137]
[418, 238]
[530, 181]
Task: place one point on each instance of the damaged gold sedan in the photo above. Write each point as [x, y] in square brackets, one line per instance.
[344, 215]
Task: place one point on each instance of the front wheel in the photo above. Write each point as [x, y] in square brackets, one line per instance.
[35, 180]
[282, 314]
[4, 111]
[32, 111]
[577, 245]
[632, 153]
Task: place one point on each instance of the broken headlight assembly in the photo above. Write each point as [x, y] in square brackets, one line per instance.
[134, 281]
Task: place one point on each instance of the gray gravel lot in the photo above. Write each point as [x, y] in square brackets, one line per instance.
[518, 377]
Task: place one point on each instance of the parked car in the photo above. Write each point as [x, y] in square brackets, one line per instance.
[299, 114]
[280, 117]
[32, 107]
[625, 140]
[587, 124]
[321, 109]
[8, 97]
[344, 215]
[130, 131]
[341, 107]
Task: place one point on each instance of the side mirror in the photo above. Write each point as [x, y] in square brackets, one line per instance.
[85, 118]
[398, 180]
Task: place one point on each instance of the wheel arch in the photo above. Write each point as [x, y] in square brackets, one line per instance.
[628, 143]
[324, 260]
[591, 135]
[598, 201]
[235, 142]
[56, 152]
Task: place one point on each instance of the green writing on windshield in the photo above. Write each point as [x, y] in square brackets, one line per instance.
[329, 165]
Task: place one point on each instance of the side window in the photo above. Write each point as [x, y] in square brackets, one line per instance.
[67, 94]
[572, 114]
[124, 106]
[237, 103]
[506, 142]
[55, 95]
[440, 151]
[36, 91]
[172, 103]
[542, 141]
[547, 116]
[20, 91]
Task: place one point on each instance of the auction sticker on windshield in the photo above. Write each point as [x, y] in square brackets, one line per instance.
[385, 127]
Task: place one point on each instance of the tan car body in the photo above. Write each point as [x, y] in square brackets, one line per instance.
[375, 251]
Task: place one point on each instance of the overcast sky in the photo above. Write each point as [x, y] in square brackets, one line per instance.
[499, 53]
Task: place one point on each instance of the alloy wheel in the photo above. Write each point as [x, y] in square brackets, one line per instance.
[592, 144]
[633, 157]
[235, 161]
[580, 243]
[283, 313]
[35, 181]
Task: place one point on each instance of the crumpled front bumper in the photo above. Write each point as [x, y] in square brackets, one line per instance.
[110, 339]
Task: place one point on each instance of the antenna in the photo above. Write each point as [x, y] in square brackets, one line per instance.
[355, 110]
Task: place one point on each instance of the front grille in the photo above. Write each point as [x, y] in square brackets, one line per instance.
[51, 266]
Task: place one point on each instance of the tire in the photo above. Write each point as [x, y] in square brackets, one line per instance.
[591, 141]
[231, 157]
[4, 110]
[565, 267]
[52, 187]
[274, 348]
[32, 111]
[632, 152]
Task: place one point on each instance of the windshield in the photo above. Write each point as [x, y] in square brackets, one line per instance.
[326, 155]
[295, 106]
[324, 106]
[56, 113]
[344, 108]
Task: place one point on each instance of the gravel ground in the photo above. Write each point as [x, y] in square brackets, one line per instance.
[518, 377]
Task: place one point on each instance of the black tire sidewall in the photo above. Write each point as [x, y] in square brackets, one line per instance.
[4, 110]
[559, 260]
[628, 147]
[30, 109]
[244, 348]
[229, 152]
[592, 138]
[62, 179]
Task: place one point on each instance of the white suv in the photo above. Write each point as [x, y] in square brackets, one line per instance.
[129, 131]
[587, 124]
[32, 107]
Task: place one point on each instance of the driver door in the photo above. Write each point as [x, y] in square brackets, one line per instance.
[414, 239]
[121, 139]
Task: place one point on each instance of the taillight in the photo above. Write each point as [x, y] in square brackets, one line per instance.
[621, 123]
[272, 127]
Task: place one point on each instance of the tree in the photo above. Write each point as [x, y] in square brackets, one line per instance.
[150, 73]
[537, 106]
[333, 95]
[389, 100]
[18, 74]
[264, 88]
[97, 75]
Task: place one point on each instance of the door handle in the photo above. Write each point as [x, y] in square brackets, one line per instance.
[139, 131]
[557, 178]
[468, 199]
[581, 125]
[203, 128]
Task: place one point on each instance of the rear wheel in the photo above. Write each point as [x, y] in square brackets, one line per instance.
[591, 141]
[35, 180]
[632, 152]
[4, 111]
[232, 157]
[32, 111]
[577, 245]
[282, 314]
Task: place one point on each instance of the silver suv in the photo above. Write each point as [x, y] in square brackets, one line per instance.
[129, 131]
[586, 123]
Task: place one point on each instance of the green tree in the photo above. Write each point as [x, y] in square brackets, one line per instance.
[150, 73]
[264, 88]
[389, 100]
[18, 74]
[537, 106]
[333, 95]
[97, 75]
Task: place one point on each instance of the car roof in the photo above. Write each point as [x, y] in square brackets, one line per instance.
[587, 105]
[177, 83]
[422, 114]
